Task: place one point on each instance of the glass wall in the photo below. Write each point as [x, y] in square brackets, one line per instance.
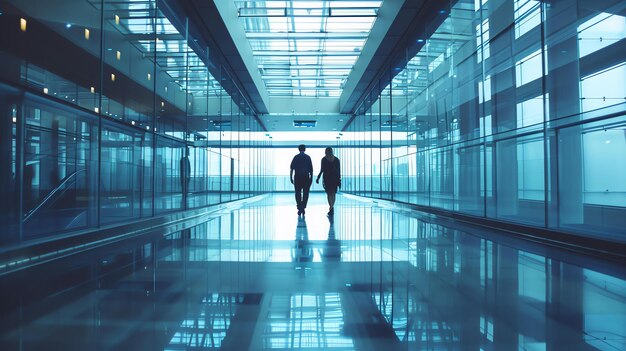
[110, 112]
[508, 109]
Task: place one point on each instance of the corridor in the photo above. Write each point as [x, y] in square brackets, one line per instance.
[374, 277]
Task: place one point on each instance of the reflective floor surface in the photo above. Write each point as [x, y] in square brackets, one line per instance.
[261, 278]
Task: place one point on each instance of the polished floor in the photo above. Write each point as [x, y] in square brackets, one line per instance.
[369, 278]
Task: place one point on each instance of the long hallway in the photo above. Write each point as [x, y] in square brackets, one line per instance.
[374, 277]
[149, 151]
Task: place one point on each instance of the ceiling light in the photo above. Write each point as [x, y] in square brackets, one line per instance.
[304, 123]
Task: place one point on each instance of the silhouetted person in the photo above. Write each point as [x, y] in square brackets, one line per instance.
[303, 168]
[332, 178]
[185, 175]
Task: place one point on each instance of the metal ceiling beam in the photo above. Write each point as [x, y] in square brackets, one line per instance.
[216, 24]
[303, 77]
[265, 12]
[371, 58]
[306, 35]
[404, 36]
[241, 52]
[304, 53]
[288, 66]
[298, 92]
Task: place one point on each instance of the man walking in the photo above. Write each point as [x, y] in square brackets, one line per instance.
[303, 168]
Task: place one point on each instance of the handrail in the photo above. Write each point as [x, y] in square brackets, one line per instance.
[51, 194]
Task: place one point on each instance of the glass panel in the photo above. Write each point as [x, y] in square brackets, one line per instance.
[10, 172]
[58, 178]
[168, 178]
[470, 178]
[519, 191]
[122, 174]
[592, 199]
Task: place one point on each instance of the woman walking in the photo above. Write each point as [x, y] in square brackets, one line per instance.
[332, 178]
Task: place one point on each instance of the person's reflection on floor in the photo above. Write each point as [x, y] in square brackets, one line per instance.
[331, 252]
[303, 252]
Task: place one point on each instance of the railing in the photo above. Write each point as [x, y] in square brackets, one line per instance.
[51, 197]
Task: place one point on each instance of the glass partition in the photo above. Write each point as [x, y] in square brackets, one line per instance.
[510, 110]
[111, 111]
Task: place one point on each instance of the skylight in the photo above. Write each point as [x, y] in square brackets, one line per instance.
[306, 48]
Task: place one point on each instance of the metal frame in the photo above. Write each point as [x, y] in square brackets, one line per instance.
[297, 42]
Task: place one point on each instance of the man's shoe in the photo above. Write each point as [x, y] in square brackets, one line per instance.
[303, 212]
[299, 212]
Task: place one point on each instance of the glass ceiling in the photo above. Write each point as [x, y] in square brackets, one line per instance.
[306, 48]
